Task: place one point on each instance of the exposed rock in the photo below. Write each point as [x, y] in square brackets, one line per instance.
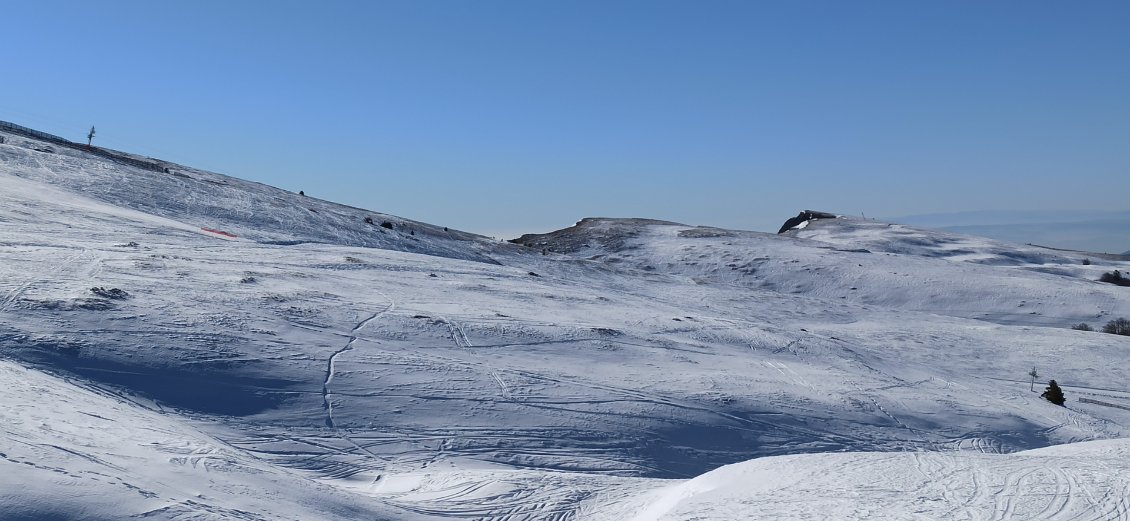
[807, 215]
[705, 232]
[609, 234]
[111, 293]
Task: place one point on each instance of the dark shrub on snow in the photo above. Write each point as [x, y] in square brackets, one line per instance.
[112, 293]
[1118, 326]
[1115, 277]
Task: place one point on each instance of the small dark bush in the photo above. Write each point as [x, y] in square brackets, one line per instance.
[1086, 262]
[1082, 326]
[386, 224]
[532, 274]
[1118, 326]
[1115, 277]
[368, 220]
[247, 280]
[112, 293]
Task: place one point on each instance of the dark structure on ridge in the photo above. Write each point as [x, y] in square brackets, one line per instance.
[807, 215]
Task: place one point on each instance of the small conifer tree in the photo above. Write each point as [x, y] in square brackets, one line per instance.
[1053, 394]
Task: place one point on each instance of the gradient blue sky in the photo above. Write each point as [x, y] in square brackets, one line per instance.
[507, 117]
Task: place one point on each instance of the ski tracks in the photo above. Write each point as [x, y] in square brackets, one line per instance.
[331, 364]
[497, 496]
[979, 487]
[459, 336]
[69, 268]
[788, 373]
[1044, 491]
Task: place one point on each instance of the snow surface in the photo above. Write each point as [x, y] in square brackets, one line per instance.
[307, 364]
[1087, 481]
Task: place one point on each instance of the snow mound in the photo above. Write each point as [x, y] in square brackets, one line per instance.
[1076, 481]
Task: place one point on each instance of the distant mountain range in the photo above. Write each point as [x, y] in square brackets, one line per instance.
[1101, 232]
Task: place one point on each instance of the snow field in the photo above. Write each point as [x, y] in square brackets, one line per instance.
[318, 367]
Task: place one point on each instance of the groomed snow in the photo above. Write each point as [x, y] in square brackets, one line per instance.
[1089, 480]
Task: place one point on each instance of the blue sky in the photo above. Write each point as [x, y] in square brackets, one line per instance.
[507, 117]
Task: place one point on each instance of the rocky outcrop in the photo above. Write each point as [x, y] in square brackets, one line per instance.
[606, 234]
[805, 216]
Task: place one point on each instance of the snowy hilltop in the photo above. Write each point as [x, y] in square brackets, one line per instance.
[179, 344]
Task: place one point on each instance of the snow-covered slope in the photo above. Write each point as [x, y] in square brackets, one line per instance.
[1081, 481]
[864, 262]
[230, 207]
[73, 450]
[337, 368]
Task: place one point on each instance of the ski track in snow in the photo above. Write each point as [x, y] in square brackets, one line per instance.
[459, 336]
[331, 364]
[69, 268]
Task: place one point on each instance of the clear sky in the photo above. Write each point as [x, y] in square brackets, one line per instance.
[502, 117]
